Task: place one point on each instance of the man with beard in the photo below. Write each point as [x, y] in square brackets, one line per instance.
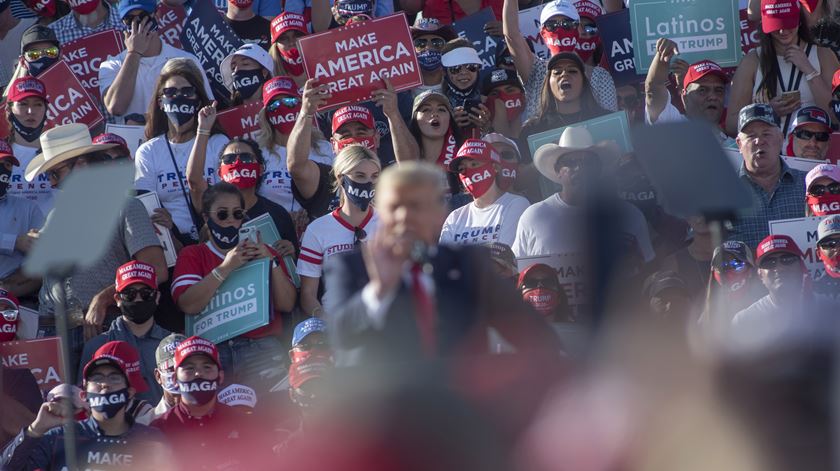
[429, 37]
[809, 134]
[137, 298]
[828, 246]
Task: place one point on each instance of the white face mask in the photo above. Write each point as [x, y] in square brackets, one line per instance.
[170, 384]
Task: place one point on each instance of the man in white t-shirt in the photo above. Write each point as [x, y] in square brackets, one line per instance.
[128, 79]
[494, 213]
[555, 225]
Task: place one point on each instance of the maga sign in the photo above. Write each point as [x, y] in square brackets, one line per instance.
[41, 356]
[702, 29]
[241, 121]
[529, 26]
[170, 22]
[472, 28]
[238, 306]
[353, 60]
[69, 101]
[86, 54]
[618, 46]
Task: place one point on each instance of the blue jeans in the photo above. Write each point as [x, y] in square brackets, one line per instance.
[259, 363]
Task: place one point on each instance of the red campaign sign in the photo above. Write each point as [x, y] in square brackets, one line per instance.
[352, 60]
[170, 23]
[833, 154]
[69, 102]
[41, 356]
[86, 54]
[241, 121]
[749, 32]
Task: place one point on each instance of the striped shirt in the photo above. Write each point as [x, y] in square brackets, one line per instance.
[326, 236]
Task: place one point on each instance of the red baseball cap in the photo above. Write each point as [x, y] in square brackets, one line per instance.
[277, 86]
[124, 357]
[287, 21]
[7, 153]
[135, 272]
[534, 269]
[196, 345]
[302, 371]
[775, 244]
[589, 9]
[25, 87]
[809, 5]
[111, 138]
[698, 70]
[351, 113]
[475, 149]
[779, 14]
[835, 80]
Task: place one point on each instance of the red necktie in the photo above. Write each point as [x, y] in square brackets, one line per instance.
[425, 311]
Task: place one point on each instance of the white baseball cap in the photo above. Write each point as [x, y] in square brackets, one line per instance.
[460, 56]
[251, 51]
[559, 7]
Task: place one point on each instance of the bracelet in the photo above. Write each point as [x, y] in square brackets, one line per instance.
[31, 432]
[202, 132]
[217, 275]
[812, 76]
[318, 310]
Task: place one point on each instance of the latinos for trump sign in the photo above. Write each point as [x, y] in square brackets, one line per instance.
[41, 356]
[702, 29]
[618, 46]
[472, 29]
[803, 231]
[241, 121]
[68, 100]
[208, 36]
[353, 60]
[86, 54]
[239, 305]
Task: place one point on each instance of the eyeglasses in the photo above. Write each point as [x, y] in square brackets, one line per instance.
[359, 235]
[829, 244]
[287, 101]
[436, 43]
[244, 157]
[457, 69]
[533, 283]
[146, 294]
[223, 214]
[590, 29]
[35, 54]
[733, 264]
[554, 25]
[819, 190]
[770, 263]
[172, 92]
[807, 135]
[10, 315]
[113, 378]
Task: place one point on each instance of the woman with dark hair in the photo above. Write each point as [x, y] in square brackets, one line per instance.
[786, 70]
[244, 72]
[174, 135]
[255, 358]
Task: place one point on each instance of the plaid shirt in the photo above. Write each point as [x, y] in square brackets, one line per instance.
[67, 28]
[786, 201]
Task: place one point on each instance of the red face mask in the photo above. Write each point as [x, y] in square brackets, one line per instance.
[44, 8]
[507, 176]
[367, 141]
[240, 174]
[586, 47]
[732, 280]
[832, 265]
[543, 300]
[447, 153]
[314, 354]
[824, 205]
[292, 61]
[478, 180]
[83, 7]
[561, 40]
[283, 119]
[241, 3]
[8, 327]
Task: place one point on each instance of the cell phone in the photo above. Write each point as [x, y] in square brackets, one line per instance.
[792, 95]
[247, 233]
[470, 104]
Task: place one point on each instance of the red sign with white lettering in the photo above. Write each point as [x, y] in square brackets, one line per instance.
[41, 356]
[241, 121]
[86, 54]
[352, 60]
[170, 23]
[68, 100]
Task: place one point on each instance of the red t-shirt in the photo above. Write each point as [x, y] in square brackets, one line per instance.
[197, 261]
[445, 10]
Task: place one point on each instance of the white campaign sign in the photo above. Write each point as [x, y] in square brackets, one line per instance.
[151, 202]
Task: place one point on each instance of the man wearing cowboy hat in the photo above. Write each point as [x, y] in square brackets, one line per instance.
[66, 149]
[553, 226]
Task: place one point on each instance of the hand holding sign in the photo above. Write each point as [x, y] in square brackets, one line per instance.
[163, 217]
[284, 248]
[234, 259]
[315, 96]
[493, 28]
[387, 99]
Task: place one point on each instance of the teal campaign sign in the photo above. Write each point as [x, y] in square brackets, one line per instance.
[702, 29]
[269, 235]
[239, 305]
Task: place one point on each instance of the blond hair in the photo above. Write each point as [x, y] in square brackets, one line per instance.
[347, 160]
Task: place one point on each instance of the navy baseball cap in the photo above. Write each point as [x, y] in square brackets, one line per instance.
[127, 6]
[735, 248]
[757, 112]
[313, 324]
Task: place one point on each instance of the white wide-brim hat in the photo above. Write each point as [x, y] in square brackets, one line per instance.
[251, 51]
[61, 144]
[573, 139]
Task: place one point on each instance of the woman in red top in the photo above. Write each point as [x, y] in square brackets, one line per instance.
[256, 358]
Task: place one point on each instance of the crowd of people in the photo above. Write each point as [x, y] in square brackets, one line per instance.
[419, 227]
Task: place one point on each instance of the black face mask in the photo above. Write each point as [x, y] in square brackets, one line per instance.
[36, 67]
[247, 82]
[138, 311]
[179, 109]
[198, 391]
[360, 194]
[27, 133]
[224, 237]
[5, 176]
[110, 403]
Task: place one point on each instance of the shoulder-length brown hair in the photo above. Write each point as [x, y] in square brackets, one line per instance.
[548, 103]
[157, 123]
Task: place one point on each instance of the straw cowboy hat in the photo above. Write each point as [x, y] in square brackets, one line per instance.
[61, 144]
[573, 139]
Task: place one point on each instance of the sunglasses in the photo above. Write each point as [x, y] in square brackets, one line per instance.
[554, 25]
[456, 69]
[590, 29]
[436, 43]
[35, 54]
[829, 244]
[733, 265]
[223, 214]
[130, 294]
[807, 135]
[244, 157]
[10, 315]
[577, 162]
[509, 156]
[287, 101]
[770, 263]
[359, 235]
[172, 92]
[819, 190]
[537, 283]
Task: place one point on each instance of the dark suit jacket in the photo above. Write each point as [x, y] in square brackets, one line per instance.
[469, 298]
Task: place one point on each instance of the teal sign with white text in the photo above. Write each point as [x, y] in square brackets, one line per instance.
[702, 29]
